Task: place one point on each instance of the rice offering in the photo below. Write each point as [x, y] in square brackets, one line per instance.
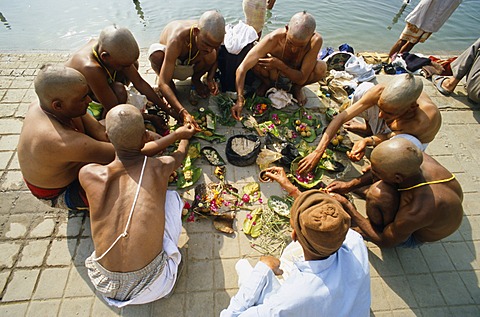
[243, 146]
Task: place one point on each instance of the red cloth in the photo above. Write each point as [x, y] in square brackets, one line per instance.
[44, 193]
[445, 64]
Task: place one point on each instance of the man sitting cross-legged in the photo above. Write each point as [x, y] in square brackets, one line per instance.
[330, 277]
[135, 220]
[286, 58]
[58, 137]
[188, 48]
[415, 200]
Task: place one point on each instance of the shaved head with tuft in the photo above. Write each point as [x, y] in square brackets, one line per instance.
[119, 43]
[213, 23]
[125, 127]
[302, 26]
[56, 82]
[402, 91]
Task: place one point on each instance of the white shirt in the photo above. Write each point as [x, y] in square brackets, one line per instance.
[337, 286]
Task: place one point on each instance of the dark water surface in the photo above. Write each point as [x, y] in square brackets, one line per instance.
[367, 25]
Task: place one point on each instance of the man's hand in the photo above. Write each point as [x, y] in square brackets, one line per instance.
[338, 187]
[342, 200]
[213, 87]
[272, 263]
[237, 109]
[309, 162]
[269, 62]
[277, 174]
[187, 119]
[186, 131]
[358, 150]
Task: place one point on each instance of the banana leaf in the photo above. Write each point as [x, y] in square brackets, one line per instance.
[310, 180]
[212, 156]
[252, 224]
[210, 136]
[279, 205]
[225, 104]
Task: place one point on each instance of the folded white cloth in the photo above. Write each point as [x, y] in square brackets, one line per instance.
[357, 67]
[238, 36]
[280, 98]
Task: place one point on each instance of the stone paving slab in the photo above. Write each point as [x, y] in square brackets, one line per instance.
[42, 270]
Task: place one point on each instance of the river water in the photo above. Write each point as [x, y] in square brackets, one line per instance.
[367, 25]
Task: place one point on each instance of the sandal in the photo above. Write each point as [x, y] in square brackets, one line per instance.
[438, 81]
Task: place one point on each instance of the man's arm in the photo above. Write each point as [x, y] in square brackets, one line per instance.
[394, 233]
[250, 60]
[346, 187]
[358, 149]
[368, 100]
[97, 81]
[299, 76]
[78, 147]
[180, 154]
[93, 128]
[154, 147]
[172, 52]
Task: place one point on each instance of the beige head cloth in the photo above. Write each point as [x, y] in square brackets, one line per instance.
[320, 223]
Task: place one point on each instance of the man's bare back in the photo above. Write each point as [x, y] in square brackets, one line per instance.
[416, 199]
[110, 209]
[436, 209]
[423, 123]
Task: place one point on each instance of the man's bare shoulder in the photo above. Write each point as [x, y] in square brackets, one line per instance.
[275, 36]
[82, 59]
[92, 172]
[176, 31]
[425, 102]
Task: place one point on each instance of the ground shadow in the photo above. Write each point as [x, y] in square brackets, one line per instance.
[437, 279]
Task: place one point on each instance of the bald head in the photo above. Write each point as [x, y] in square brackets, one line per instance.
[213, 23]
[119, 43]
[56, 82]
[397, 156]
[402, 91]
[125, 127]
[302, 26]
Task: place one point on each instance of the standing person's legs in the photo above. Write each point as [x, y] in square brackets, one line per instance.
[471, 59]
[467, 64]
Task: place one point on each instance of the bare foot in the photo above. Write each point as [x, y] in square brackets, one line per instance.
[355, 127]
[297, 92]
[449, 84]
[201, 88]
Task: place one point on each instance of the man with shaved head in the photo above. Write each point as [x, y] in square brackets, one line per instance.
[136, 222]
[286, 59]
[188, 48]
[415, 199]
[328, 273]
[109, 64]
[58, 137]
[398, 108]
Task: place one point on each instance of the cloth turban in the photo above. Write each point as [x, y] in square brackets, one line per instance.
[320, 223]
